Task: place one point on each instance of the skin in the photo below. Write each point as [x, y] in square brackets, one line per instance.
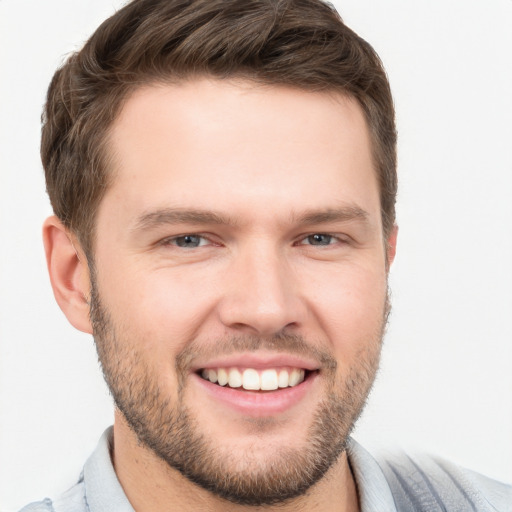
[271, 161]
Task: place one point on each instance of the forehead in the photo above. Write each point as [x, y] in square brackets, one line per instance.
[237, 145]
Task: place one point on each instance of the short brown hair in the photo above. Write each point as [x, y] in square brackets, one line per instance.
[298, 43]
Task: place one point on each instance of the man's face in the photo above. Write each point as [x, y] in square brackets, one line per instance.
[241, 241]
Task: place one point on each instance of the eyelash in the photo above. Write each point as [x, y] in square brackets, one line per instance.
[173, 240]
[332, 238]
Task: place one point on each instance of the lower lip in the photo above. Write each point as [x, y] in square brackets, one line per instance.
[257, 404]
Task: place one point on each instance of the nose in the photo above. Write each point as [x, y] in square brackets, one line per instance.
[261, 295]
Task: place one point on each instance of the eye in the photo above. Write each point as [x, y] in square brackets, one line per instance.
[187, 241]
[319, 239]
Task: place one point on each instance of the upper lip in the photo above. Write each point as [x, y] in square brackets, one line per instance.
[258, 361]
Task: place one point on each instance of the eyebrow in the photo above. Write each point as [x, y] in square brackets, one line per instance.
[165, 216]
[342, 214]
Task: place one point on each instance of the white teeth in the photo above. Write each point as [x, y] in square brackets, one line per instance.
[269, 380]
[283, 379]
[255, 380]
[222, 376]
[235, 378]
[296, 377]
[251, 380]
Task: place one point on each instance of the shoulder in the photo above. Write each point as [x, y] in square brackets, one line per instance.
[429, 483]
[39, 506]
[73, 500]
[496, 493]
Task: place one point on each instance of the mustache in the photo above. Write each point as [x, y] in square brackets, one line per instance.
[294, 344]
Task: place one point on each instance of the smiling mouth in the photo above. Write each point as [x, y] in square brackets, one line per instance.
[251, 379]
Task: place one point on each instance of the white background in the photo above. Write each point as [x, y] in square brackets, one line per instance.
[446, 381]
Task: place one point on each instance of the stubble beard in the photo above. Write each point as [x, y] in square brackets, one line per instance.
[172, 432]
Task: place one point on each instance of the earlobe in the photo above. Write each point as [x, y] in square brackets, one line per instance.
[69, 273]
[391, 245]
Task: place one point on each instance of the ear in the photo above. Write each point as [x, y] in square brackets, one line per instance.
[391, 245]
[69, 273]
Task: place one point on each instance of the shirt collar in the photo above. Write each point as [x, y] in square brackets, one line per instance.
[372, 486]
[103, 492]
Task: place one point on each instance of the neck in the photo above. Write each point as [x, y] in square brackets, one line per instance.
[151, 485]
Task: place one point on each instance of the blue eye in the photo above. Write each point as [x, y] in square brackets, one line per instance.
[319, 239]
[189, 241]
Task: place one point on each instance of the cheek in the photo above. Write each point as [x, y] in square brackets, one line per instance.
[351, 310]
[161, 309]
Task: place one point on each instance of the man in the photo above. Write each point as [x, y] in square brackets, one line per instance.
[223, 176]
